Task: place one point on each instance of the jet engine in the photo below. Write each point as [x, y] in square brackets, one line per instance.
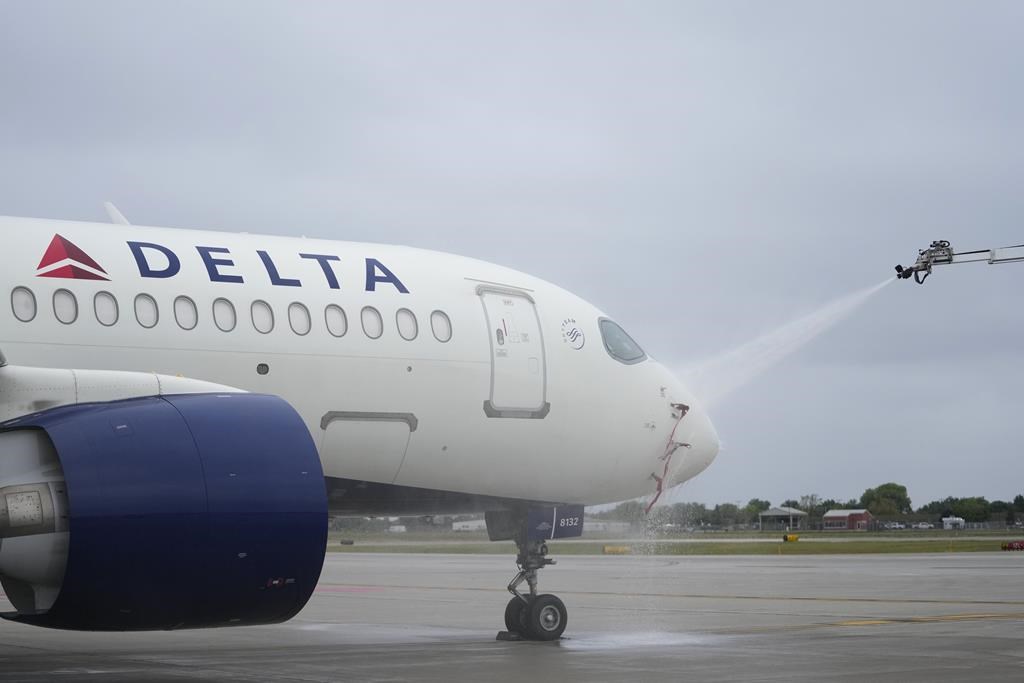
[160, 512]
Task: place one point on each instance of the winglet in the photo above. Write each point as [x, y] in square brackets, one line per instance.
[115, 215]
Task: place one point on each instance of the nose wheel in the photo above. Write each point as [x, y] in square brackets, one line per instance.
[531, 616]
[516, 612]
[536, 618]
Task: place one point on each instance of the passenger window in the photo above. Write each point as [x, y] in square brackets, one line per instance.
[441, 326]
[337, 321]
[224, 315]
[408, 327]
[620, 345]
[298, 318]
[262, 317]
[23, 304]
[185, 313]
[146, 311]
[105, 306]
[65, 306]
[373, 324]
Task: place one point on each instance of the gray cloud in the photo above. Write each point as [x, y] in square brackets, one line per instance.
[702, 171]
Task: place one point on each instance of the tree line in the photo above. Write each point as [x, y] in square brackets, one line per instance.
[886, 501]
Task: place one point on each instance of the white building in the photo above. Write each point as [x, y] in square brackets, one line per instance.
[470, 525]
[953, 523]
[782, 518]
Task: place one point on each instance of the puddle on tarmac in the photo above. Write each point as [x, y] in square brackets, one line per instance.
[634, 641]
[381, 634]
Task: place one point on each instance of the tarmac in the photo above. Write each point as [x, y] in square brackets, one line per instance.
[393, 617]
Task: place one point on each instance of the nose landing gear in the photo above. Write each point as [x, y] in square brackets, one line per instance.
[533, 616]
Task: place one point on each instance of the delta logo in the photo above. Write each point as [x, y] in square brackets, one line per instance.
[64, 259]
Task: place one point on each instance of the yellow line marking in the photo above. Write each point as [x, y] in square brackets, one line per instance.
[863, 622]
[931, 619]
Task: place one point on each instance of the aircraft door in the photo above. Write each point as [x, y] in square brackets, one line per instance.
[364, 445]
[518, 367]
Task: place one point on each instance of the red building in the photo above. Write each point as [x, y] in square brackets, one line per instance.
[846, 520]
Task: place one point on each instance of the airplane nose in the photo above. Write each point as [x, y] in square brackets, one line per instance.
[704, 446]
[697, 431]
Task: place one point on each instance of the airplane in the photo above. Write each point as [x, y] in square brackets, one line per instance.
[181, 411]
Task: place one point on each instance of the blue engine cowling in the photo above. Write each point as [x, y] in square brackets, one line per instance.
[185, 511]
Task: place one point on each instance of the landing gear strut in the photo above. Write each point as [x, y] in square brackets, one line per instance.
[533, 616]
[537, 617]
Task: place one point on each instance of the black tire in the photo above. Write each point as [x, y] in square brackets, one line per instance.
[547, 618]
[515, 616]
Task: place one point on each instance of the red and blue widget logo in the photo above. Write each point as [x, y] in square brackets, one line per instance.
[64, 259]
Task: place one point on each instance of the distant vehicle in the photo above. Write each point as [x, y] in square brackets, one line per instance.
[924, 525]
[895, 525]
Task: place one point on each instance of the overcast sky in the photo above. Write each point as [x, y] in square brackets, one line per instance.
[704, 172]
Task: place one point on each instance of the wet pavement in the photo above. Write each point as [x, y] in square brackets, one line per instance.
[390, 617]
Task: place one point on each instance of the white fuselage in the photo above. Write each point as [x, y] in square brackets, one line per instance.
[523, 401]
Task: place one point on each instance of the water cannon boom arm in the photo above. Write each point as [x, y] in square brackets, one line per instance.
[940, 253]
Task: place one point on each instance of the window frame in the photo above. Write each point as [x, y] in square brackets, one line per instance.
[298, 305]
[252, 315]
[35, 304]
[96, 309]
[604, 342]
[156, 310]
[433, 327]
[362, 321]
[415, 323]
[327, 320]
[234, 314]
[74, 300]
[195, 311]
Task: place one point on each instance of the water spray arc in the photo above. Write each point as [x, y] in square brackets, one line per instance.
[721, 375]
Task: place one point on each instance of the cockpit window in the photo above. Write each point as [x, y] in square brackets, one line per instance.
[620, 345]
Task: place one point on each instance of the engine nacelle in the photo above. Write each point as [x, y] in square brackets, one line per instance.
[162, 512]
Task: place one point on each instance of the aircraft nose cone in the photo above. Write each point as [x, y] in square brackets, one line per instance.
[699, 443]
[704, 446]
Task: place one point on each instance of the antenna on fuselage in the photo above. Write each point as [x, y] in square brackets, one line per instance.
[115, 215]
